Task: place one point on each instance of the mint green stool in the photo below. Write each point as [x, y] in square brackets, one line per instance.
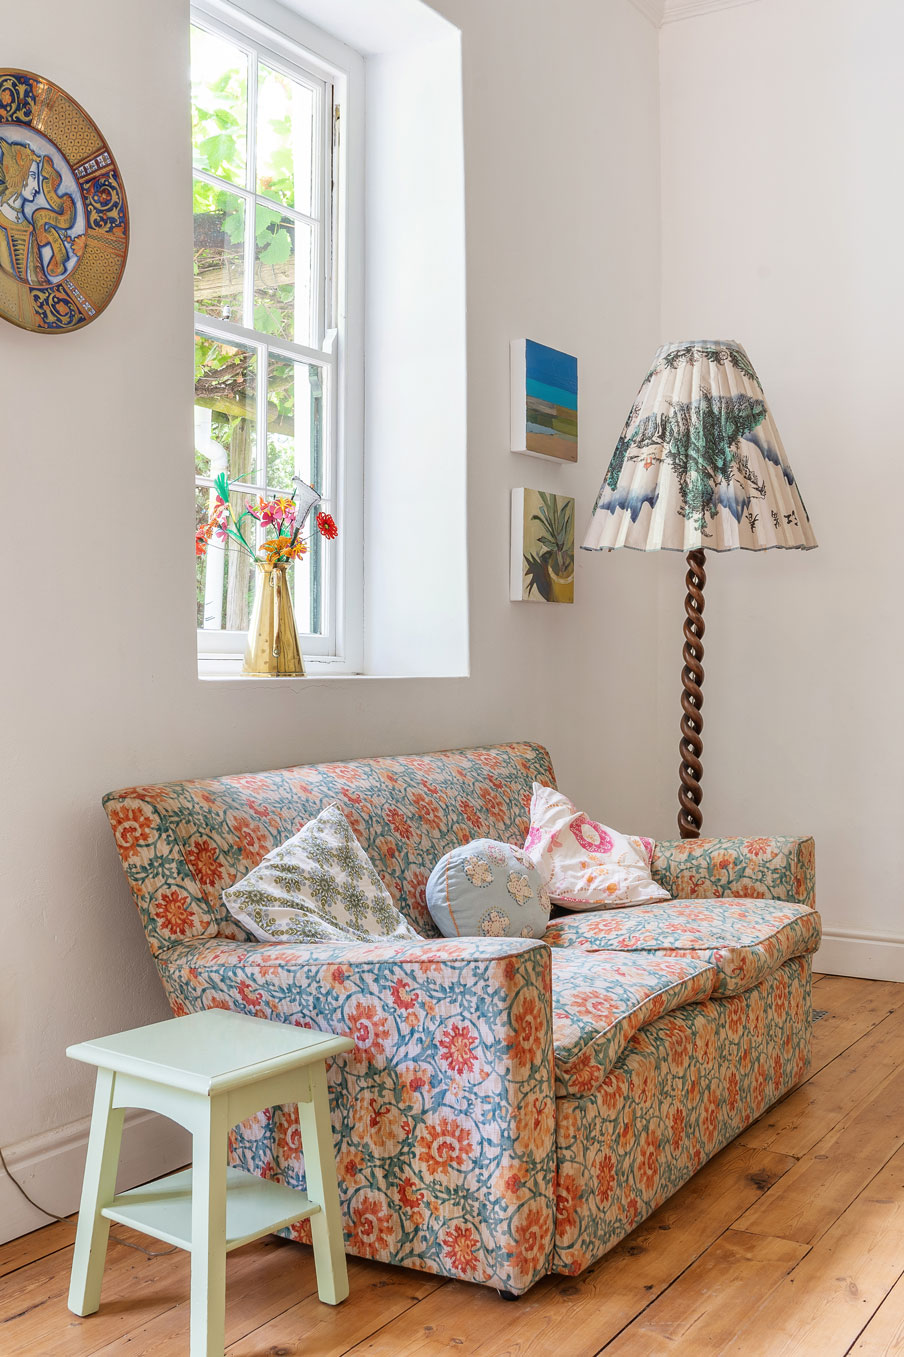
[208, 1071]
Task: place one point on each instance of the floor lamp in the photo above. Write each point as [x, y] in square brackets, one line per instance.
[699, 467]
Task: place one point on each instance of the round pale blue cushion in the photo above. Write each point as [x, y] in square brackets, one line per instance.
[487, 889]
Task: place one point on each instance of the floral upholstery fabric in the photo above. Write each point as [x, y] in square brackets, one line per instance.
[454, 1154]
[183, 843]
[444, 1113]
[600, 999]
[684, 1086]
[743, 940]
[758, 869]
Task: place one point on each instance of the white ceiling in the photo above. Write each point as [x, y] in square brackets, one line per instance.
[668, 11]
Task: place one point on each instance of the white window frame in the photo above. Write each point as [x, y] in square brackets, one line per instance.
[306, 54]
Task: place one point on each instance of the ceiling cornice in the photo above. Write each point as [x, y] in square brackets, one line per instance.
[653, 9]
[671, 11]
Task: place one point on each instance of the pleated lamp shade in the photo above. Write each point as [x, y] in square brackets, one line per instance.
[700, 463]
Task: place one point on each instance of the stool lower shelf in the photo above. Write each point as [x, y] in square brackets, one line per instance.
[254, 1207]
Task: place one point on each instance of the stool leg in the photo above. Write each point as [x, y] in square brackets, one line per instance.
[208, 1231]
[320, 1180]
[98, 1190]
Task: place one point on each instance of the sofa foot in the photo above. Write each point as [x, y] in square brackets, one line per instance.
[508, 1295]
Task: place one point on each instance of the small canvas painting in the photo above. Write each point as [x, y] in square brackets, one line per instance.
[544, 401]
[542, 547]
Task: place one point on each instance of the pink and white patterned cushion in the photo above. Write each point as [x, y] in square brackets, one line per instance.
[587, 865]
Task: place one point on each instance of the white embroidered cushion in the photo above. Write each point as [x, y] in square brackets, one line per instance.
[587, 865]
[319, 886]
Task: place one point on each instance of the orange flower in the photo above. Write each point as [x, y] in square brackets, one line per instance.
[532, 1237]
[173, 914]
[456, 1046]
[255, 844]
[203, 858]
[676, 1122]
[132, 827]
[678, 1042]
[733, 1085]
[583, 1073]
[648, 1162]
[605, 1178]
[409, 1197]
[759, 1087]
[377, 1124]
[370, 1031]
[401, 826]
[534, 1124]
[568, 1198]
[348, 1167]
[288, 1138]
[709, 1116]
[403, 996]
[509, 1184]
[373, 1228]
[460, 1246]
[778, 1073]
[748, 891]
[445, 1145]
[529, 1020]
[600, 1008]
[426, 810]
[612, 1092]
[472, 815]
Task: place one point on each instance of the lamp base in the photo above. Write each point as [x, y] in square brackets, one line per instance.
[690, 771]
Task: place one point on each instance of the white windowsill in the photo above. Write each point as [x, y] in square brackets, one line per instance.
[228, 669]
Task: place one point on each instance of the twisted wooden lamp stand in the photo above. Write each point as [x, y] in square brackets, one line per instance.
[690, 793]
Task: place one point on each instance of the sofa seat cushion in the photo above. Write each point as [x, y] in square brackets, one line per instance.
[600, 999]
[743, 940]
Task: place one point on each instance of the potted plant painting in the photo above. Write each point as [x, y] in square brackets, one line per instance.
[549, 568]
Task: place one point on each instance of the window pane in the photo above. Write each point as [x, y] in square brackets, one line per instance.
[219, 252]
[219, 106]
[225, 396]
[285, 140]
[294, 423]
[282, 276]
[227, 576]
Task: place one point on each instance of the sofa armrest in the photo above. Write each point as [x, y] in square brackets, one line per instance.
[444, 1112]
[766, 869]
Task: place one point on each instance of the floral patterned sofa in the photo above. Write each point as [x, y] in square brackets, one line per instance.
[511, 1107]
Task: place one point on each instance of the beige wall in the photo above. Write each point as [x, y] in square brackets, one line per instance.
[99, 681]
[782, 205]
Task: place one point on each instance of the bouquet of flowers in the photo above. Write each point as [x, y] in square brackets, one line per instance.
[284, 517]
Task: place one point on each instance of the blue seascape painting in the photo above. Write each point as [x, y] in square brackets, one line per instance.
[544, 401]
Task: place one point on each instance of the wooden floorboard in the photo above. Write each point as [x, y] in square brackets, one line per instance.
[791, 1241]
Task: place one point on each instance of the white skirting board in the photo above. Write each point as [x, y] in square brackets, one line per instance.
[50, 1167]
[868, 956]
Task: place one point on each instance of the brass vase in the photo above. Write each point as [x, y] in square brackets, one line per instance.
[272, 647]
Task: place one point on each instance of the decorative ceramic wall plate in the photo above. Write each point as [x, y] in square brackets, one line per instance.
[64, 224]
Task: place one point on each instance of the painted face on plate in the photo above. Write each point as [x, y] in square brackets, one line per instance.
[32, 185]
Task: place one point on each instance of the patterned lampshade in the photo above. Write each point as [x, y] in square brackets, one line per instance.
[700, 463]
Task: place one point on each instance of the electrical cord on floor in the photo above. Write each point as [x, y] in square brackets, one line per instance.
[148, 1253]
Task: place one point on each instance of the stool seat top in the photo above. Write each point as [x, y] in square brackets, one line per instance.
[210, 1052]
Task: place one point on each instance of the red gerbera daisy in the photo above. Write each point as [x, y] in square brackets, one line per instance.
[326, 525]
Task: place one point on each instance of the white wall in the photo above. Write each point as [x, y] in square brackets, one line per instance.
[782, 201]
[99, 685]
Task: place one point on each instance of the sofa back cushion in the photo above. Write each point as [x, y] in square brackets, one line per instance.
[183, 843]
